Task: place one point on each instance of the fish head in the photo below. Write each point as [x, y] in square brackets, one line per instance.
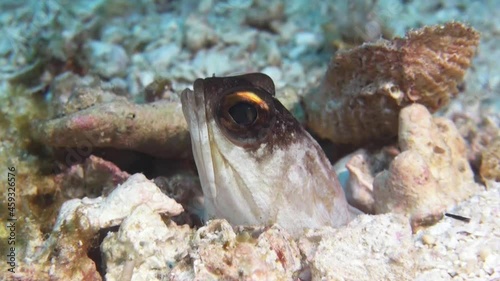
[257, 164]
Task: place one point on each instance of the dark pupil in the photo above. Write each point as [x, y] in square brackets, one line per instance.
[243, 113]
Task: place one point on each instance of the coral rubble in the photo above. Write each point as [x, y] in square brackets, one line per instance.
[430, 174]
[144, 248]
[79, 221]
[408, 187]
[220, 253]
[364, 88]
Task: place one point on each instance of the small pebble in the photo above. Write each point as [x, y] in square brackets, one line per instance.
[307, 39]
[108, 60]
[488, 269]
[491, 262]
[451, 243]
[428, 240]
[484, 253]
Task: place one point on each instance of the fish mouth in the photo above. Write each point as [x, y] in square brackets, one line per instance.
[193, 107]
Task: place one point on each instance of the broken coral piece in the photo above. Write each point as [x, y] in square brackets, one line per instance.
[431, 173]
[97, 213]
[490, 163]
[79, 221]
[408, 187]
[144, 248]
[220, 253]
[364, 88]
[439, 142]
[157, 129]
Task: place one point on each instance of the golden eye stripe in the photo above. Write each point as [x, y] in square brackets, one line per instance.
[247, 96]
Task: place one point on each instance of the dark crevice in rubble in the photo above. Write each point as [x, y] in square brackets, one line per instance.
[94, 251]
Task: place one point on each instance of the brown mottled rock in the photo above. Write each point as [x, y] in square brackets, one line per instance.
[478, 134]
[364, 88]
[430, 174]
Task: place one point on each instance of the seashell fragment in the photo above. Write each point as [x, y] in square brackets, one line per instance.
[359, 190]
[364, 88]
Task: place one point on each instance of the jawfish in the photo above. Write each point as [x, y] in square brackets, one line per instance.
[257, 164]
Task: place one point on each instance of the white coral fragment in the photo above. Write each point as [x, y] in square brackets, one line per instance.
[144, 248]
[84, 217]
[97, 213]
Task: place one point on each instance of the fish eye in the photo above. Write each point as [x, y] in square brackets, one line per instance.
[243, 108]
[245, 115]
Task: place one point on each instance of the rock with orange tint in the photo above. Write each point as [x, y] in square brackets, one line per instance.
[145, 247]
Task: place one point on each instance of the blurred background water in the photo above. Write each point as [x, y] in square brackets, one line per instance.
[131, 42]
